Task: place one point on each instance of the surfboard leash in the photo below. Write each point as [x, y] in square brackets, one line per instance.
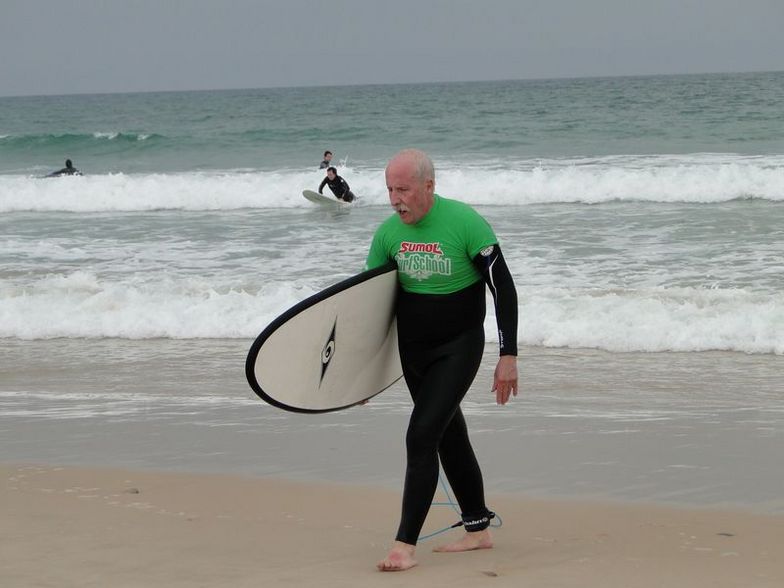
[450, 502]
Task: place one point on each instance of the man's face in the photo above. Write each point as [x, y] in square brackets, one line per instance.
[331, 175]
[409, 195]
[328, 157]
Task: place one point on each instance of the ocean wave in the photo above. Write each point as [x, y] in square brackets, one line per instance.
[80, 304]
[704, 179]
[74, 141]
[654, 319]
[115, 135]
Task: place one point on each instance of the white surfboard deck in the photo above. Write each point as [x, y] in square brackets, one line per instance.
[326, 201]
[333, 350]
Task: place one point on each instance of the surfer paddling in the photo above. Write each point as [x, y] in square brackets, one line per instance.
[445, 254]
[68, 170]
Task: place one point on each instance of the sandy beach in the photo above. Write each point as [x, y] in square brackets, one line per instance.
[101, 527]
[146, 464]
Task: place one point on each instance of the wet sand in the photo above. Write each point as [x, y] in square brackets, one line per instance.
[686, 429]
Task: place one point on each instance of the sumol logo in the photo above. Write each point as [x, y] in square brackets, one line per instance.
[409, 247]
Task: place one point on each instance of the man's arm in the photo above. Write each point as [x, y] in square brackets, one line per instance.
[492, 266]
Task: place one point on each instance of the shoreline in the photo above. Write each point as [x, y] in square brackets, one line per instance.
[68, 526]
[692, 430]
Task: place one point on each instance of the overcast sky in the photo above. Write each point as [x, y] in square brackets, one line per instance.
[85, 46]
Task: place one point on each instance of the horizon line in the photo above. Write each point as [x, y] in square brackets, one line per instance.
[413, 83]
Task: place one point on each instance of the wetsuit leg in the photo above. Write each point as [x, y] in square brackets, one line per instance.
[438, 378]
[462, 468]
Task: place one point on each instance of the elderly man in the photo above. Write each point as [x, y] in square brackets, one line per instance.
[445, 254]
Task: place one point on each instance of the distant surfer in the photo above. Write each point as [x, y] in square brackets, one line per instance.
[445, 254]
[68, 170]
[326, 161]
[338, 185]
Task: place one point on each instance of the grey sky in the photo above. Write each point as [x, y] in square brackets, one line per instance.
[56, 47]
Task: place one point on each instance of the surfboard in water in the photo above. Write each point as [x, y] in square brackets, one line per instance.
[325, 201]
[333, 350]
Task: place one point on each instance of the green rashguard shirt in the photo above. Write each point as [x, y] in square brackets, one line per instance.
[434, 255]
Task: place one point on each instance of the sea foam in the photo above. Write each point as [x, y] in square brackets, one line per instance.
[80, 304]
[694, 178]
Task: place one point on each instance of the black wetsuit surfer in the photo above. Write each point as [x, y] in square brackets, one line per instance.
[338, 185]
[68, 170]
[441, 339]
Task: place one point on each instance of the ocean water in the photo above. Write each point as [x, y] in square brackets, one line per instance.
[637, 214]
[642, 219]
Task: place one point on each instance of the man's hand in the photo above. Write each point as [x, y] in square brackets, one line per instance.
[505, 378]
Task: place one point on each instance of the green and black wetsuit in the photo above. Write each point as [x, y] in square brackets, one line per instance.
[444, 262]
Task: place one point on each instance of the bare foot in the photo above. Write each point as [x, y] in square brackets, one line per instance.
[468, 542]
[400, 558]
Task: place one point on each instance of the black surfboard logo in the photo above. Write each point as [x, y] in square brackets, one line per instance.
[328, 352]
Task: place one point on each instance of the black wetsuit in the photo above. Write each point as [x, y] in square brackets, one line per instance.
[444, 261]
[66, 171]
[339, 188]
[441, 339]
[324, 164]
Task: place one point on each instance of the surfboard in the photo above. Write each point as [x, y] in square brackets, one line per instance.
[331, 351]
[326, 201]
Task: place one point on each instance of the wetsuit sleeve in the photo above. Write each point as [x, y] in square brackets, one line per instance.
[345, 185]
[492, 266]
[321, 185]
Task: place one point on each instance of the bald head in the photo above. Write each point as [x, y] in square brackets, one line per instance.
[417, 161]
[411, 184]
